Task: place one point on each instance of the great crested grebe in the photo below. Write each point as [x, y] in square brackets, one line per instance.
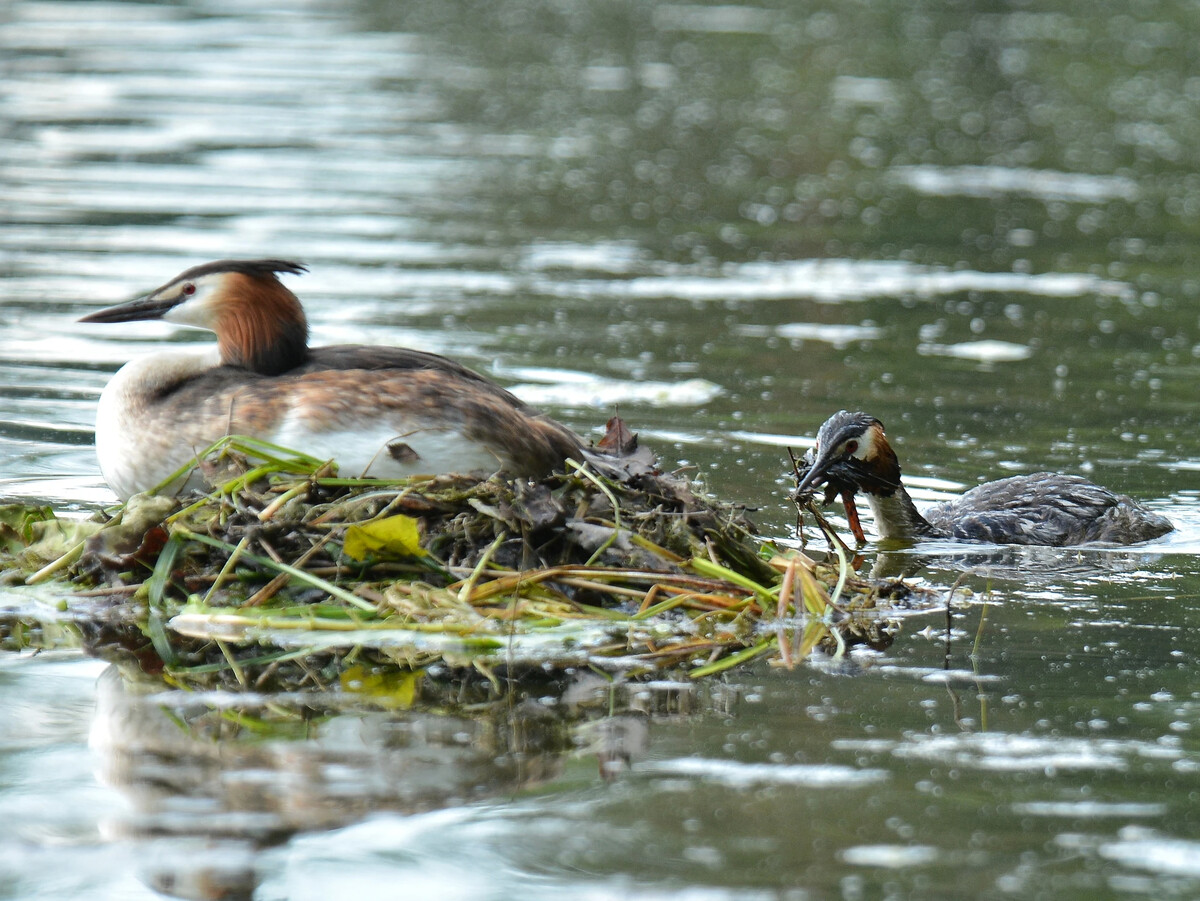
[851, 454]
[378, 411]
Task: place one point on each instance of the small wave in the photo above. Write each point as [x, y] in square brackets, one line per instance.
[736, 774]
[980, 351]
[834, 281]
[600, 392]
[996, 181]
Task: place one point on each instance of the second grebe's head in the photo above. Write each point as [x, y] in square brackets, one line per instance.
[259, 323]
[851, 453]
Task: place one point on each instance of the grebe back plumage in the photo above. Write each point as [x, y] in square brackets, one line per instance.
[379, 411]
[1044, 508]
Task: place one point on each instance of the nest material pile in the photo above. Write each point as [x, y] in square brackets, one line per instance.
[285, 575]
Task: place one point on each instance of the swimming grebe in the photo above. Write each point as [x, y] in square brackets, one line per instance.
[852, 454]
[379, 411]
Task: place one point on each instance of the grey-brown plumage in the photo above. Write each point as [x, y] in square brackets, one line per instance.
[852, 454]
[340, 384]
[1046, 508]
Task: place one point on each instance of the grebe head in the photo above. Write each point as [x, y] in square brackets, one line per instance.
[259, 323]
[851, 453]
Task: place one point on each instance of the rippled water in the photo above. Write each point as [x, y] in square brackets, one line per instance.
[726, 222]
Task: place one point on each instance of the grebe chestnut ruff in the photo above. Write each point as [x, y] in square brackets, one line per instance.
[379, 411]
[1044, 508]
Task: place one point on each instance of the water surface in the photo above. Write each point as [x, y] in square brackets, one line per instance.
[725, 222]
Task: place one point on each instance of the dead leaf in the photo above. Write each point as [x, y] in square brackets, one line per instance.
[618, 440]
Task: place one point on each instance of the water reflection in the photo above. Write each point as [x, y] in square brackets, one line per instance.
[213, 778]
[1020, 565]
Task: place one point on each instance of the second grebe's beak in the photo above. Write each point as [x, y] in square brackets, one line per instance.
[835, 471]
[839, 473]
[150, 307]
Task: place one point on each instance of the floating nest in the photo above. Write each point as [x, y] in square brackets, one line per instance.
[283, 576]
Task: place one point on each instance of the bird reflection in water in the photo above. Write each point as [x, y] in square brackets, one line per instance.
[214, 777]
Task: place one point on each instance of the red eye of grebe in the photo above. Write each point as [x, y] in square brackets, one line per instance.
[851, 446]
[189, 289]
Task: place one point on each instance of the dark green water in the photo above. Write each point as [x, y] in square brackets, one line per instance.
[977, 223]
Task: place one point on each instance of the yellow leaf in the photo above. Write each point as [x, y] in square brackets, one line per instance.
[816, 598]
[392, 689]
[395, 536]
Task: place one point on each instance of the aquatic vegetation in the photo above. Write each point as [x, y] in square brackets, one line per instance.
[286, 575]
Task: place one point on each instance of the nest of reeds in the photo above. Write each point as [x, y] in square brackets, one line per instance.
[283, 574]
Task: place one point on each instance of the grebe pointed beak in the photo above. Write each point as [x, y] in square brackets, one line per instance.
[814, 476]
[818, 472]
[151, 307]
[842, 475]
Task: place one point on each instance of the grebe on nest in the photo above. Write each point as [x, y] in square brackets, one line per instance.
[380, 411]
[1044, 508]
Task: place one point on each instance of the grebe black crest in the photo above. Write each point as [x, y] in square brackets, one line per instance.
[379, 411]
[853, 455]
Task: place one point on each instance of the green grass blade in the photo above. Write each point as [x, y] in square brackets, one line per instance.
[156, 587]
[716, 571]
[733, 660]
[298, 574]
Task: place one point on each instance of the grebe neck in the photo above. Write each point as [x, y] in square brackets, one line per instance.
[266, 331]
[897, 517]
